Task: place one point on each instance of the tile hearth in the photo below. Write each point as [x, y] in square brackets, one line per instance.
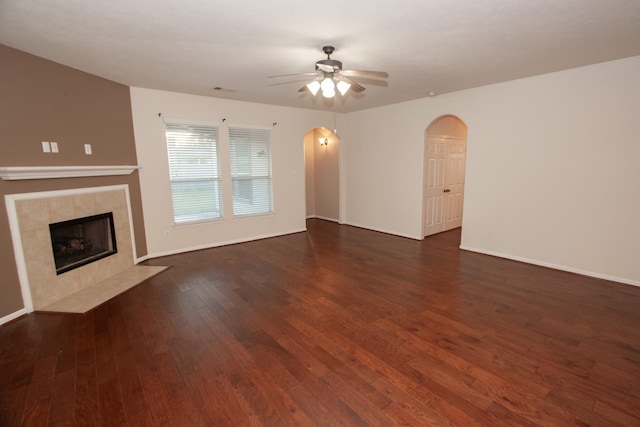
[98, 293]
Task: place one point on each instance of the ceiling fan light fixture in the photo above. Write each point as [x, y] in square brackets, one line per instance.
[327, 84]
[328, 87]
[313, 87]
[329, 77]
[343, 87]
[329, 93]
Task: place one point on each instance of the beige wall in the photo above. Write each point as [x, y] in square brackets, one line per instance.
[45, 101]
[288, 167]
[323, 174]
[310, 177]
[552, 168]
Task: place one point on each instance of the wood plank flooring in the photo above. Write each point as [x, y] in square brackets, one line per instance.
[337, 326]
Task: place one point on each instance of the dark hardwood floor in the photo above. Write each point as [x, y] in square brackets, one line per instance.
[336, 326]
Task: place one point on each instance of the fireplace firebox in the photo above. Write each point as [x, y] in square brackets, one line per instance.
[79, 241]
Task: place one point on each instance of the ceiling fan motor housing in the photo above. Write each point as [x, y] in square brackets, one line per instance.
[333, 63]
[325, 64]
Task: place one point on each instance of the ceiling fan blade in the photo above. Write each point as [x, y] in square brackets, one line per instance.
[354, 86]
[294, 74]
[303, 89]
[358, 73]
[289, 82]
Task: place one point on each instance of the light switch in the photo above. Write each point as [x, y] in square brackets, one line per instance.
[46, 148]
[54, 147]
[87, 149]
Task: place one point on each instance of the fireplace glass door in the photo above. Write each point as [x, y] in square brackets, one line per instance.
[78, 242]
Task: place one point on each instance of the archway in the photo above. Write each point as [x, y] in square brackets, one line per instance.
[444, 170]
[322, 174]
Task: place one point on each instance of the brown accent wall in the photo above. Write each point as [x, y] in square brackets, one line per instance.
[44, 101]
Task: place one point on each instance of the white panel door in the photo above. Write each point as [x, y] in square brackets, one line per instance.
[435, 165]
[454, 184]
[444, 184]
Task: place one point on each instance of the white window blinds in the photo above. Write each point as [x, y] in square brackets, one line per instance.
[250, 156]
[194, 172]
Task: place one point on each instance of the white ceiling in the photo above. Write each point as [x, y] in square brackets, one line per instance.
[193, 46]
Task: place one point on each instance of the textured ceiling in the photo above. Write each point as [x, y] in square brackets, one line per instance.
[193, 46]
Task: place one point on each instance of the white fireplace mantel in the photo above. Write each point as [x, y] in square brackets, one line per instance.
[9, 173]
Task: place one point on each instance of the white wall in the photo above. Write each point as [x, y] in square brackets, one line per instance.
[382, 164]
[552, 168]
[287, 167]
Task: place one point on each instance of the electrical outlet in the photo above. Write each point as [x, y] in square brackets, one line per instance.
[54, 147]
[87, 149]
[46, 148]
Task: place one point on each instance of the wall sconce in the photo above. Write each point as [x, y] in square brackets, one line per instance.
[324, 141]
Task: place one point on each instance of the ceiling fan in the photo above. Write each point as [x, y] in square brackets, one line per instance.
[330, 76]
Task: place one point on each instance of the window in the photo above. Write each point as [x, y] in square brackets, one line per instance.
[194, 172]
[249, 151]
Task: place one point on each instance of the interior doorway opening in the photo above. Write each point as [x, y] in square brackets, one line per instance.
[322, 174]
[444, 173]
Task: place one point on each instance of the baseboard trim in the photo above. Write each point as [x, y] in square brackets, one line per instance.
[323, 218]
[13, 316]
[218, 244]
[382, 230]
[553, 266]
[142, 259]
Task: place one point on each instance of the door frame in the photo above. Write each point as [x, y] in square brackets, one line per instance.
[448, 127]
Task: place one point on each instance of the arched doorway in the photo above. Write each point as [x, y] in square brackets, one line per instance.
[444, 166]
[322, 174]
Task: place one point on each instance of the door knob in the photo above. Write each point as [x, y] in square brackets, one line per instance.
[446, 190]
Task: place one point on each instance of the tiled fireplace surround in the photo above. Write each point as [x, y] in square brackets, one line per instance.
[33, 212]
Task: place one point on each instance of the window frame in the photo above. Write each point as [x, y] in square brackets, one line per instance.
[211, 175]
[258, 140]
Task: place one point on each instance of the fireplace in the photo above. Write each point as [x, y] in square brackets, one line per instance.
[80, 241]
[31, 216]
